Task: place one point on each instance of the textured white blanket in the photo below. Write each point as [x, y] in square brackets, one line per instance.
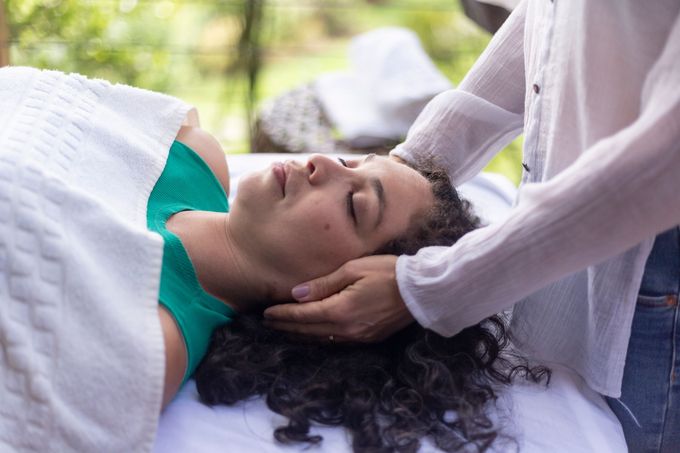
[81, 357]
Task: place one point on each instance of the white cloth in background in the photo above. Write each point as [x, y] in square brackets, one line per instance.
[390, 81]
[81, 348]
[594, 85]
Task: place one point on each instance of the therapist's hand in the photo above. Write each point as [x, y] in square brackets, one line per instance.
[359, 302]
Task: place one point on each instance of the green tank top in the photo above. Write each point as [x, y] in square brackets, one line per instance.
[186, 184]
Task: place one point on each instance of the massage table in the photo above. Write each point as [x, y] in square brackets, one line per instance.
[566, 416]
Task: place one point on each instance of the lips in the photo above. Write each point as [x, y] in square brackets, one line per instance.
[280, 174]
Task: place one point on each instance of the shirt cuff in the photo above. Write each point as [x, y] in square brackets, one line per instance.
[406, 292]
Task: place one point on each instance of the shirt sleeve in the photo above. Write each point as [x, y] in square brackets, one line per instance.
[462, 129]
[625, 188]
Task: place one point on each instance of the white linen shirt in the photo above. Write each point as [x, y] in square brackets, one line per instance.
[595, 86]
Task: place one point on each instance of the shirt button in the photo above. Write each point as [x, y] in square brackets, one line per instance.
[537, 89]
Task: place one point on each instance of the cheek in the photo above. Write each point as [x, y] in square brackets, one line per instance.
[323, 229]
[316, 220]
[327, 242]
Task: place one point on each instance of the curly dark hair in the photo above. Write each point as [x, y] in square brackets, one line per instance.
[388, 395]
[446, 221]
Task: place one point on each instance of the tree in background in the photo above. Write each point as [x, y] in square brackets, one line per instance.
[4, 37]
[249, 59]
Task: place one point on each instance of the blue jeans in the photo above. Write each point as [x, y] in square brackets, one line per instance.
[649, 407]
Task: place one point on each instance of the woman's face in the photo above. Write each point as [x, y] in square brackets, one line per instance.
[307, 219]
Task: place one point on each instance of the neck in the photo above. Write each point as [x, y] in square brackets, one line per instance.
[223, 266]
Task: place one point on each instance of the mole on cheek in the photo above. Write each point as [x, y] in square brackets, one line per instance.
[327, 226]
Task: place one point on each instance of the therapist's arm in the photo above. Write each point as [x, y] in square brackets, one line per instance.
[622, 190]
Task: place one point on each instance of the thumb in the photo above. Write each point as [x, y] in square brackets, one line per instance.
[325, 286]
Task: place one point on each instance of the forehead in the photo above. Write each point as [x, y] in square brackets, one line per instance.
[407, 193]
[394, 174]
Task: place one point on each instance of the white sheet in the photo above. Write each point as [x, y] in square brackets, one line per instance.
[566, 417]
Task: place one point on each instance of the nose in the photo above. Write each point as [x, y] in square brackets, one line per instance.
[321, 168]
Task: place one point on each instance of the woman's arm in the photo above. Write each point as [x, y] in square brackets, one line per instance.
[175, 355]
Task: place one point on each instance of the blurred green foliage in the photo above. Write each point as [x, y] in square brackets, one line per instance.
[92, 38]
[204, 52]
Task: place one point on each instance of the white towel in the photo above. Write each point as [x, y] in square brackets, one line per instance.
[82, 356]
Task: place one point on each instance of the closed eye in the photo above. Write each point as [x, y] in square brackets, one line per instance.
[350, 196]
[350, 207]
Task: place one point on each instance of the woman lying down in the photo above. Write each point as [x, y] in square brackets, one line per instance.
[291, 222]
[222, 265]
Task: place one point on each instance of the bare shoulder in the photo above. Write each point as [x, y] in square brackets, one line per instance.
[206, 146]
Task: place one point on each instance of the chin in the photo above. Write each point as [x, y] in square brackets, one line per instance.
[251, 203]
[245, 186]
